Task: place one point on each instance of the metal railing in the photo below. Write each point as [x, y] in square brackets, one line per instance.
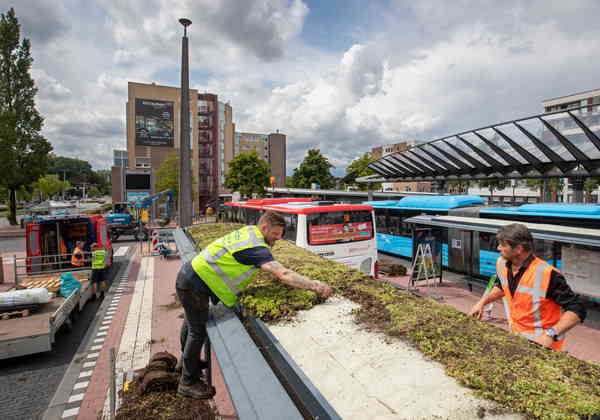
[46, 264]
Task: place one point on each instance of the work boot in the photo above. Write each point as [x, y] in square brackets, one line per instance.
[198, 391]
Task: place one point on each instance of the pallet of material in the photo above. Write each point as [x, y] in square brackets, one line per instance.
[8, 315]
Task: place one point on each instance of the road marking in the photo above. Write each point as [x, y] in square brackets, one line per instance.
[80, 385]
[75, 398]
[121, 251]
[99, 340]
[88, 365]
[101, 334]
[103, 328]
[93, 355]
[93, 348]
[86, 374]
[70, 412]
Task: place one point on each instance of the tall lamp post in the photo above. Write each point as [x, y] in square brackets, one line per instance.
[185, 174]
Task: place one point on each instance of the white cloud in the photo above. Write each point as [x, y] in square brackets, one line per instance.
[421, 70]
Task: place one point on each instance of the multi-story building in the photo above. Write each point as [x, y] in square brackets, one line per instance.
[153, 133]
[591, 98]
[120, 158]
[269, 147]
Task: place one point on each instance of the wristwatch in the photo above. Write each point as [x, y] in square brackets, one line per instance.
[551, 332]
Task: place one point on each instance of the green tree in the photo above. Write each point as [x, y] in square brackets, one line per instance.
[50, 185]
[589, 186]
[313, 169]
[248, 174]
[459, 186]
[554, 186]
[23, 149]
[494, 185]
[359, 167]
[74, 170]
[167, 176]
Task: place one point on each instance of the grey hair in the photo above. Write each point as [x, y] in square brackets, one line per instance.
[516, 234]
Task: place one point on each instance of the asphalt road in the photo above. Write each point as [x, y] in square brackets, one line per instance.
[12, 244]
[28, 383]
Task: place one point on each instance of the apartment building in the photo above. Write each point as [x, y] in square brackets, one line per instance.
[153, 132]
[269, 147]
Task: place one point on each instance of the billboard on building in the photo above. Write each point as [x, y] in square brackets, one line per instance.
[153, 123]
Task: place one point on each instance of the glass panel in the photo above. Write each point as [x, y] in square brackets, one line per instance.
[440, 156]
[403, 163]
[452, 153]
[466, 149]
[521, 139]
[569, 128]
[496, 139]
[478, 143]
[535, 127]
[417, 159]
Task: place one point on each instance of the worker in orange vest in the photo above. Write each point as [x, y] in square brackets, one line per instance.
[540, 305]
[77, 258]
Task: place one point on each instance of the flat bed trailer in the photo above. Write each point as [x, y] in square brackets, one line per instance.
[36, 332]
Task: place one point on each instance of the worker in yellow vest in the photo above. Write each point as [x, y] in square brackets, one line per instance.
[540, 305]
[220, 272]
[77, 257]
[99, 256]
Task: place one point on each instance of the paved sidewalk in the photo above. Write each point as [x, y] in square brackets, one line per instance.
[581, 341]
[141, 320]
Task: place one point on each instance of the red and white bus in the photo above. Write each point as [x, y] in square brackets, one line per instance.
[341, 232]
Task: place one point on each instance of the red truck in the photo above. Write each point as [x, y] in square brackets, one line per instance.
[51, 240]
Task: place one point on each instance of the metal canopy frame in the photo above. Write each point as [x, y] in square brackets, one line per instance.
[564, 143]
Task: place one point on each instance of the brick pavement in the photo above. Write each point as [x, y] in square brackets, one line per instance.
[581, 341]
[142, 322]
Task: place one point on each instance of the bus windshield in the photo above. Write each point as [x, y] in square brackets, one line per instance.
[339, 227]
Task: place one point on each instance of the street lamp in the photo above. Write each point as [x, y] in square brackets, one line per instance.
[185, 176]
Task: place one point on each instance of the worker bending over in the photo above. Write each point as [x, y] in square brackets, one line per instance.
[540, 304]
[220, 272]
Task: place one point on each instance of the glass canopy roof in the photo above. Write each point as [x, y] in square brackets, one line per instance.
[559, 144]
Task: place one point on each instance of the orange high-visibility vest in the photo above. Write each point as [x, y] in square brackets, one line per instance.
[77, 258]
[529, 312]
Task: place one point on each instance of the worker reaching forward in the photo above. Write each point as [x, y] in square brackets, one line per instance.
[221, 271]
[541, 305]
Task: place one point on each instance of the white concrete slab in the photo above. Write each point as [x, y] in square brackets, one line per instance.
[367, 375]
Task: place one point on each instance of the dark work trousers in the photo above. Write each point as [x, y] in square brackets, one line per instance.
[195, 307]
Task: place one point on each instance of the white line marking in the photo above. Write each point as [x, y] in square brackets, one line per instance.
[121, 251]
[103, 328]
[88, 365]
[75, 398]
[80, 385]
[93, 355]
[70, 412]
[86, 374]
[99, 340]
[101, 334]
[93, 348]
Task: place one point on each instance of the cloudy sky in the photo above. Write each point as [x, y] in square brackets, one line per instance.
[339, 75]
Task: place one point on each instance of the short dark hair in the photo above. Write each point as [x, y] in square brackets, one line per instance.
[272, 219]
[516, 234]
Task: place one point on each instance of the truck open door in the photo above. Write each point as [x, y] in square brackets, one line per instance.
[34, 249]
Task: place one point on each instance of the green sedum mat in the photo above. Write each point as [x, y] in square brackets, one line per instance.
[518, 374]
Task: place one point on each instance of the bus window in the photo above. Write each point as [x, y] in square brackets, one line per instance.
[339, 226]
[291, 226]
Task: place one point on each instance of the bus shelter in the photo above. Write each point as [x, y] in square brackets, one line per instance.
[574, 251]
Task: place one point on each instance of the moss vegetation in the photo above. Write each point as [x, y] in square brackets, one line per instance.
[516, 373]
